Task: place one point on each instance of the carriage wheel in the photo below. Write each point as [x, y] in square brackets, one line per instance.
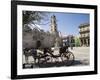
[41, 60]
[44, 61]
[68, 58]
[48, 59]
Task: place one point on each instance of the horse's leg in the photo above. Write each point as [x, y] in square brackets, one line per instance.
[34, 58]
[26, 59]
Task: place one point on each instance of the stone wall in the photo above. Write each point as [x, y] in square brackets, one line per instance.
[31, 37]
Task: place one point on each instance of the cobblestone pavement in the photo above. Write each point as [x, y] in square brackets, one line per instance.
[82, 55]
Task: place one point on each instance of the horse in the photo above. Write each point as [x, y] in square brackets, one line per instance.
[30, 52]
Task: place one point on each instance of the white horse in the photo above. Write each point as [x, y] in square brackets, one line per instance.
[32, 52]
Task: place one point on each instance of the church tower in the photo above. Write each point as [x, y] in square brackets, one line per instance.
[53, 29]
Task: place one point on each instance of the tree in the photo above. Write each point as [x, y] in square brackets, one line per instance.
[77, 42]
[34, 17]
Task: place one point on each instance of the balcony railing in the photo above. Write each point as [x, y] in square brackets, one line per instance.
[84, 35]
[83, 29]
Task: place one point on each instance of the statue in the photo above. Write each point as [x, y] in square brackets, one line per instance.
[57, 42]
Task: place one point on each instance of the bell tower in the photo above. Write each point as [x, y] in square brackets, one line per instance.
[53, 29]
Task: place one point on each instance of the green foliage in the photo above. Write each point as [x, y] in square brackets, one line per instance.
[77, 42]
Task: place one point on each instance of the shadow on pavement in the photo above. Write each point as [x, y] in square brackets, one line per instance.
[77, 62]
[56, 64]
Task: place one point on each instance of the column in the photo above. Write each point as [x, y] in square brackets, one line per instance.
[89, 42]
[86, 42]
[83, 43]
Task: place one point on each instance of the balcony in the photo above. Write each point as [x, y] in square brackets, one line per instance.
[84, 31]
[84, 35]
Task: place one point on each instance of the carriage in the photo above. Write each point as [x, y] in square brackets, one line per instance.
[50, 56]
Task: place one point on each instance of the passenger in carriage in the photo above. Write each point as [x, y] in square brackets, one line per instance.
[64, 48]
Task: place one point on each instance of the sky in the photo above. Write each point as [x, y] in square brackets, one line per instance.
[67, 23]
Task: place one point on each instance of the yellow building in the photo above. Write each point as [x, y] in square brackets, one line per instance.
[84, 30]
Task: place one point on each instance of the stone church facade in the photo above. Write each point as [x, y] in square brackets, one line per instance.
[33, 38]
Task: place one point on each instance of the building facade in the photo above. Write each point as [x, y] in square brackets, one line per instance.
[84, 31]
[69, 40]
